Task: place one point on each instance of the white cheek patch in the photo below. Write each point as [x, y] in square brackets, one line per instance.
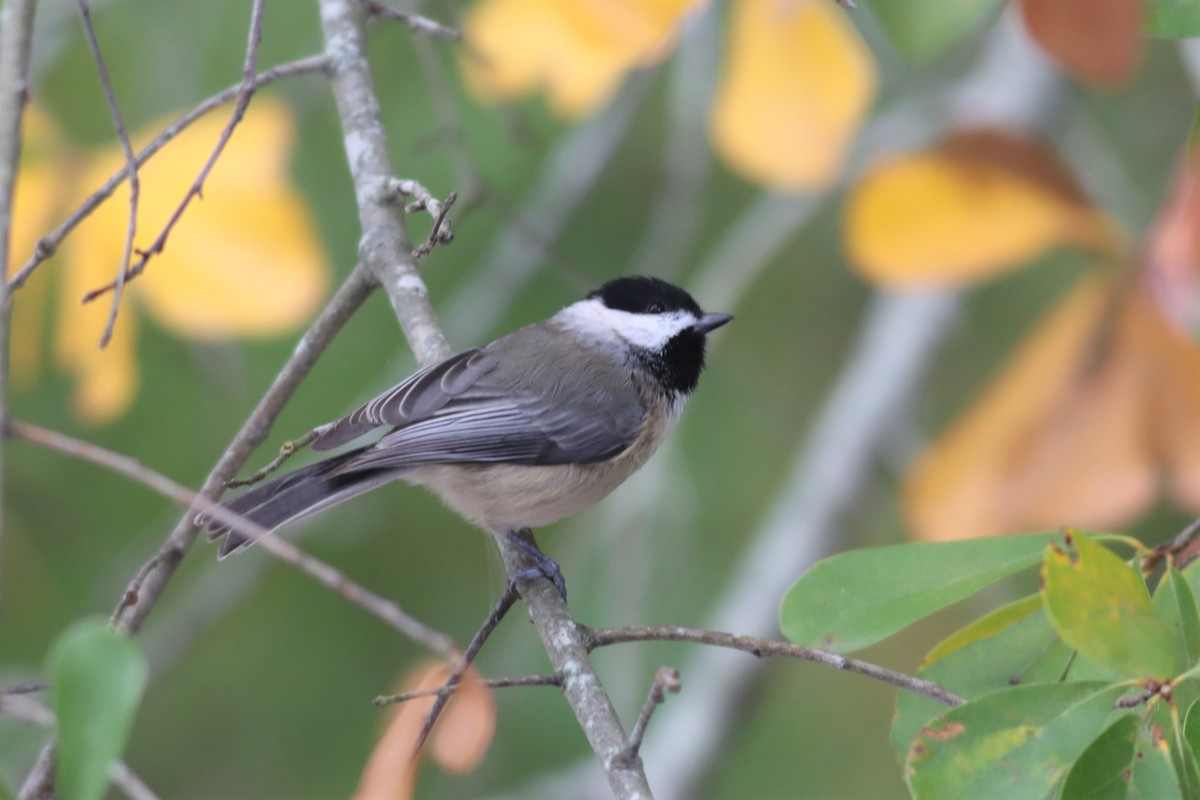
[593, 320]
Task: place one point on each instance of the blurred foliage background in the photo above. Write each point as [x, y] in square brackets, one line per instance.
[262, 681]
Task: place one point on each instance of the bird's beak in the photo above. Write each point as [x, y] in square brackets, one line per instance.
[710, 322]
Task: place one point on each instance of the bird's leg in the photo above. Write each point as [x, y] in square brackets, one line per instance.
[545, 566]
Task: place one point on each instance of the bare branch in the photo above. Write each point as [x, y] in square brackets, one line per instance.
[666, 679]
[415, 22]
[16, 38]
[286, 451]
[566, 644]
[385, 248]
[762, 648]
[497, 614]
[327, 576]
[246, 91]
[135, 186]
[48, 245]
[551, 679]
[389, 611]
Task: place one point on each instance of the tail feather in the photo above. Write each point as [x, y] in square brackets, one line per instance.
[292, 496]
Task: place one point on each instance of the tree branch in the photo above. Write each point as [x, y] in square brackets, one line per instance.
[762, 648]
[16, 37]
[379, 607]
[384, 248]
[131, 168]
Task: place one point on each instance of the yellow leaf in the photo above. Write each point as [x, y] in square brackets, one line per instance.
[106, 380]
[575, 51]
[797, 83]
[244, 260]
[939, 216]
[45, 160]
[1059, 438]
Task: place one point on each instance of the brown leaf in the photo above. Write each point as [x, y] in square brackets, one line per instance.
[1097, 41]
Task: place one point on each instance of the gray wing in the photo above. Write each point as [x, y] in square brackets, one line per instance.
[481, 407]
[416, 397]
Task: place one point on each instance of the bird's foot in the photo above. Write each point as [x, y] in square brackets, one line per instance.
[545, 566]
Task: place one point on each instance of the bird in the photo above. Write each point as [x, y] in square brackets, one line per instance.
[521, 432]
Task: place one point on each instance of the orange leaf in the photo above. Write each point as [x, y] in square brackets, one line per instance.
[1172, 380]
[1059, 438]
[1098, 41]
[797, 83]
[458, 743]
[982, 203]
[575, 51]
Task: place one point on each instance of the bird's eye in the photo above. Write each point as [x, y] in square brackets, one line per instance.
[655, 308]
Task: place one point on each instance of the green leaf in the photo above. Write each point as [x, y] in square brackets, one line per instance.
[1176, 604]
[1016, 742]
[1191, 727]
[1099, 606]
[923, 29]
[989, 625]
[1182, 756]
[855, 599]
[1105, 770]
[97, 676]
[1153, 777]
[1028, 651]
[1174, 19]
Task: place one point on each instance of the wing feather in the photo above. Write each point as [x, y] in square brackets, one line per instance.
[480, 407]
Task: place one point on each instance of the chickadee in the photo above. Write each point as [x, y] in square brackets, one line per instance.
[519, 433]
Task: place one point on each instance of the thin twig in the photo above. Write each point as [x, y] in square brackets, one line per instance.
[1177, 545]
[134, 470]
[566, 644]
[549, 679]
[666, 679]
[48, 245]
[133, 589]
[135, 185]
[468, 657]
[286, 451]
[396, 189]
[389, 611]
[329, 577]
[249, 83]
[762, 648]
[415, 22]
